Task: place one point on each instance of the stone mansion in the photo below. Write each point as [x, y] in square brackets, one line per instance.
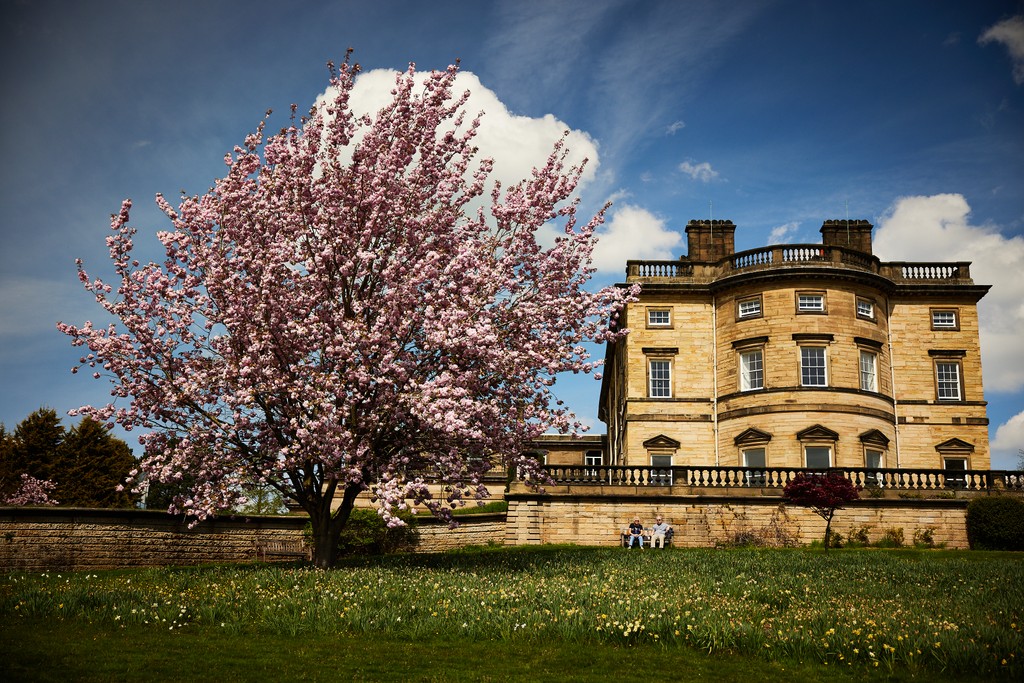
[792, 356]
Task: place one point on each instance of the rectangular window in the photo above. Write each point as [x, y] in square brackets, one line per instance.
[808, 302]
[752, 370]
[955, 469]
[944, 319]
[947, 380]
[660, 378]
[872, 461]
[659, 317]
[754, 457]
[749, 308]
[592, 459]
[812, 366]
[661, 475]
[866, 309]
[818, 457]
[868, 371]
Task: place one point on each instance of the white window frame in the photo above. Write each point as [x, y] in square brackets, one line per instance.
[751, 378]
[868, 371]
[652, 312]
[818, 448]
[945, 319]
[873, 478]
[749, 307]
[947, 378]
[810, 302]
[865, 309]
[591, 461]
[659, 386]
[805, 367]
[664, 461]
[958, 463]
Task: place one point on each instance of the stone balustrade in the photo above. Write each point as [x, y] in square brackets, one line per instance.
[727, 478]
[795, 256]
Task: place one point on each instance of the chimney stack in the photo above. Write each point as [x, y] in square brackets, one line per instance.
[710, 241]
[852, 234]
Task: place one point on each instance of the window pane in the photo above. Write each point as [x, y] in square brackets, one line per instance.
[865, 309]
[948, 378]
[662, 475]
[812, 366]
[868, 363]
[956, 477]
[661, 379]
[818, 457]
[658, 317]
[754, 457]
[750, 307]
[811, 302]
[873, 459]
[751, 370]
[943, 318]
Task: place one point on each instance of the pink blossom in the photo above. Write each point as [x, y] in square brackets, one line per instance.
[334, 316]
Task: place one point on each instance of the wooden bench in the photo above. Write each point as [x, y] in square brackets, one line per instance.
[278, 551]
[646, 535]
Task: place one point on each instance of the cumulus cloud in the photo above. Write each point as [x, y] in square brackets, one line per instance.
[938, 228]
[783, 233]
[1010, 33]
[702, 171]
[518, 144]
[633, 233]
[1008, 443]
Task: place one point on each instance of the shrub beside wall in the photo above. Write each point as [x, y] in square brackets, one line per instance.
[996, 523]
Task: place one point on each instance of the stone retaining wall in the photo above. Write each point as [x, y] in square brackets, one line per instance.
[36, 539]
[701, 521]
[65, 539]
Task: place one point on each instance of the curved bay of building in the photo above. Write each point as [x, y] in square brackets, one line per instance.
[797, 356]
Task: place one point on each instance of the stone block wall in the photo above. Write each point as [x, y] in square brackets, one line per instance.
[701, 521]
[66, 539]
[33, 539]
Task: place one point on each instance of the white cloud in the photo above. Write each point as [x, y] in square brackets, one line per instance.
[633, 233]
[516, 143]
[675, 127]
[938, 228]
[783, 233]
[1008, 443]
[1009, 32]
[702, 171]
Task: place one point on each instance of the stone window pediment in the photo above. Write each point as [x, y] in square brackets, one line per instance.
[873, 437]
[752, 436]
[817, 433]
[954, 446]
[661, 442]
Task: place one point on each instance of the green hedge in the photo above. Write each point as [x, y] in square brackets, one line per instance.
[996, 523]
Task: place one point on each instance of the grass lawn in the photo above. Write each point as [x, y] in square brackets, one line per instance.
[538, 614]
[43, 651]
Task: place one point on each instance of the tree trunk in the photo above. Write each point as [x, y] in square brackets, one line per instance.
[327, 527]
[828, 529]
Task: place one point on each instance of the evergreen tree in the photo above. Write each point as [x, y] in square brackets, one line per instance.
[93, 465]
[35, 447]
[86, 463]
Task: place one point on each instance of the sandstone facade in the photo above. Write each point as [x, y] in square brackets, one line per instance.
[796, 356]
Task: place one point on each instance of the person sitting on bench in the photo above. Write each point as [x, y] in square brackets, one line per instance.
[658, 532]
[636, 533]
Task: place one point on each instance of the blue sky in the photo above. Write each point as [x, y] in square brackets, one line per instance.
[776, 115]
